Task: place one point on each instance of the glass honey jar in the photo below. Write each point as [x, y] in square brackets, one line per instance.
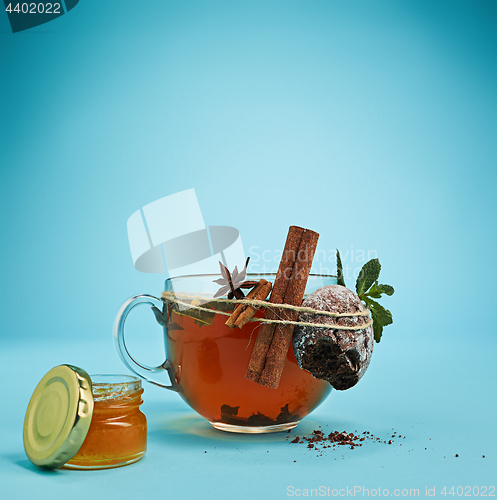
[76, 421]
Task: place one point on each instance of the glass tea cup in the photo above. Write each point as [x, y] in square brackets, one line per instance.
[206, 361]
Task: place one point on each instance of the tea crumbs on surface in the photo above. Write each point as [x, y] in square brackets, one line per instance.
[319, 441]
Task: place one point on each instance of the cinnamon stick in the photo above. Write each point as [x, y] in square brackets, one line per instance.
[243, 313]
[266, 331]
[276, 356]
[261, 293]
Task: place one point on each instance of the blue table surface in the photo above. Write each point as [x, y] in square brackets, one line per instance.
[440, 398]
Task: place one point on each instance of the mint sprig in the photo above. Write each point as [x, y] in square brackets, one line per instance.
[376, 290]
[381, 316]
[368, 275]
[367, 289]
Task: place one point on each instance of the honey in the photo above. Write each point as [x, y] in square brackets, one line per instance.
[118, 431]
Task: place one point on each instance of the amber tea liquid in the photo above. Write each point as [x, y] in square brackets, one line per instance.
[210, 361]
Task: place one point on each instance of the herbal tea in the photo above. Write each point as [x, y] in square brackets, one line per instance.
[210, 361]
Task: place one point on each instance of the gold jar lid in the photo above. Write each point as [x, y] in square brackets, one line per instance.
[58, 416]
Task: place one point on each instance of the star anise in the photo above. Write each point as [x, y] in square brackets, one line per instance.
[231, 284]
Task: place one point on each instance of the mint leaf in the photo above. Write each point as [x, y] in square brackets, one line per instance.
[377, 331]
[389, 290]
[377, 290]
[373, 292]
[368, 275]
[340, 279]
[381, 317]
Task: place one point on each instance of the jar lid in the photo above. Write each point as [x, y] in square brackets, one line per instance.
[58, 416]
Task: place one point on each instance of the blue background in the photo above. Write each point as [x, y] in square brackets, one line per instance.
[373, 123]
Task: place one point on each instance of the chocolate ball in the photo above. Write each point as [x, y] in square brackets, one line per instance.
[339, 356]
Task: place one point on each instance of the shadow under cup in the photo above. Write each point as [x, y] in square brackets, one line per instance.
[209, 361]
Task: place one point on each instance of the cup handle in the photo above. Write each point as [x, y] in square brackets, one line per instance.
[140, 369]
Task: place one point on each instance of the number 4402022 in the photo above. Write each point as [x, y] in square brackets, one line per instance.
[34, 8]
[468, 491]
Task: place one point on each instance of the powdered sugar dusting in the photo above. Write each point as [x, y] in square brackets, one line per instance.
[349, 350]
